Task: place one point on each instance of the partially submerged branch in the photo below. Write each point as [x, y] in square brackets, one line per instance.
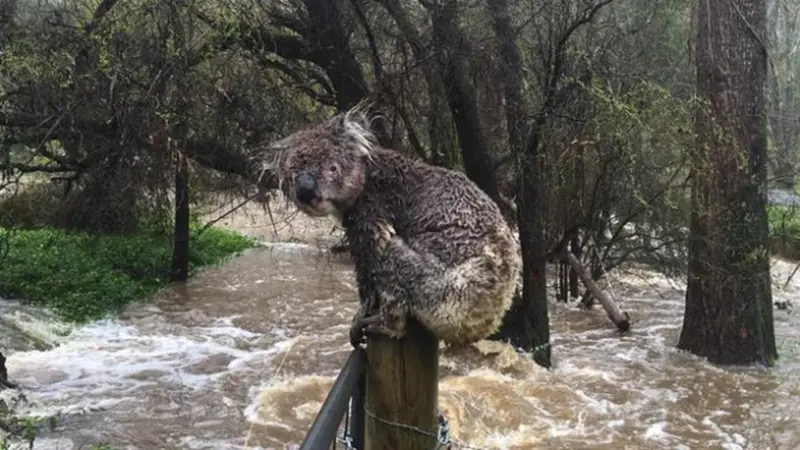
[620, 318]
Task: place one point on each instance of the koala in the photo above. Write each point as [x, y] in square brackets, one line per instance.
[427, 243]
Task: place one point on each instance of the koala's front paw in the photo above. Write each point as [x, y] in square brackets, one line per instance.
[381, 329]
[375, 325]
[359, 328]
[357, 336]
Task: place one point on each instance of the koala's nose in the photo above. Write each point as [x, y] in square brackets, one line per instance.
[305, 187]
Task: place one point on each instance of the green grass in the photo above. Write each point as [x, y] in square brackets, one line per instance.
[85, 277]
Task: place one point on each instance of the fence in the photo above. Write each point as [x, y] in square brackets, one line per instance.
[348, 391]
[393, 400]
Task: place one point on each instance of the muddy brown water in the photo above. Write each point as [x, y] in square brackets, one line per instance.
[243, 355]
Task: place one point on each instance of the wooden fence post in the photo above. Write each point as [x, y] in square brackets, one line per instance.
[403, 388]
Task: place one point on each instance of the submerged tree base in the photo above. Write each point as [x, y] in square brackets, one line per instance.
[728, 316]
[85, 277]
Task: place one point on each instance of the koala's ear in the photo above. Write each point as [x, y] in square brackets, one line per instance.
[340, 119]
[337, 125]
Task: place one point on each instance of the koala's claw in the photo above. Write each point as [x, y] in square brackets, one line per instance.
[357, 336]
[386, 230]
[358, 330]
[371, 325]
[385, 234]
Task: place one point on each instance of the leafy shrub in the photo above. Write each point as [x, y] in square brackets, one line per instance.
[784, 221]
[84, 277]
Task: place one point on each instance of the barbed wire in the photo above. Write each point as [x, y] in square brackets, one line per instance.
[442, 435]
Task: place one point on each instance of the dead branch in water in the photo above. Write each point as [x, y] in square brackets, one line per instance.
[620, 318]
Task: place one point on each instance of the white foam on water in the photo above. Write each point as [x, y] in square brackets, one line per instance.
[51, 444]
[39, 324]
[655, 432]
[106, 363]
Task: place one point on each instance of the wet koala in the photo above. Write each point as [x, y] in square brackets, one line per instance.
[426, 241]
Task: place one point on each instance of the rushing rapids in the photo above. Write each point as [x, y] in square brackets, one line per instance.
[243, 355]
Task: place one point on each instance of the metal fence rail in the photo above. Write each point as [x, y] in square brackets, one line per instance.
[347, 390]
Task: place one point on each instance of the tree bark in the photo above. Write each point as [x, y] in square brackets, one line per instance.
[511, 74]
[575, 248]
[533, 327]
[527, 324]
[728, 316]
[180, 240]
[329, 36]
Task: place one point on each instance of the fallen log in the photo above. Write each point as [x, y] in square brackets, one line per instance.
[621, 319]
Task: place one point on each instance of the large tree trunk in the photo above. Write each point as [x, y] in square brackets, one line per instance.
[728, 316]
[527, 324]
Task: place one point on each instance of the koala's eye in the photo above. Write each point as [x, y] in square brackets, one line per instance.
[333, 168]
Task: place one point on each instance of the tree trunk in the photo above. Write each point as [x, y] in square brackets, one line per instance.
[575, 248]
[511, 74]
[783, 104]
[3, 371]
[527, 324]
[532, 328]
[463, 99]
[728, 316]
[180, 240]
[329, 34]
[440, 124]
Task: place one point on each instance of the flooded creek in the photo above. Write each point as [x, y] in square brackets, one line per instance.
[243, 355]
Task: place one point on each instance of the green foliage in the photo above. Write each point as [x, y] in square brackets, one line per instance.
[24, 429]
[784, 221]
[21, 432]
[85, 277]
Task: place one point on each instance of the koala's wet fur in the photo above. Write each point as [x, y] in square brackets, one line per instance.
[426, 241]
